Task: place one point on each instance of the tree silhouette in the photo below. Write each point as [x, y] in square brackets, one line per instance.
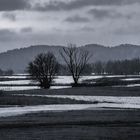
[43, 69]
[76, 61]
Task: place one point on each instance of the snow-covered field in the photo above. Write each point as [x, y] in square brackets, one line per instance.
[58, 80]
[130, 79]
[16, 82]
[15, 76]
[103, 102]
[100, 99]
[17, 88]
[68, 79]
[15, 111]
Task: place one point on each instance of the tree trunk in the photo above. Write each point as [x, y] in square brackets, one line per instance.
[45, 85]
[75, 82]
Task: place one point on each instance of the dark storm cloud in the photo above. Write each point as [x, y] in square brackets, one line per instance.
[11, 5]
[77, 19]
[9, 16]
[76, 4]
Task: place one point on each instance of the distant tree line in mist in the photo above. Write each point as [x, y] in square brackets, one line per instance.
[6, 72]
[117, 67]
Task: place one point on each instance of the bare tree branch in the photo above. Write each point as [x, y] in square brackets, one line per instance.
[76, 60]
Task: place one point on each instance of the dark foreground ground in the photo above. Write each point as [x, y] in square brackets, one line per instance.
[90, 91]
[73, 125]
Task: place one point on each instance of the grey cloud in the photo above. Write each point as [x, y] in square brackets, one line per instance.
[76, 4]
[26, 30]
[11, 5]
[7, 35]
[87, 29]
[77, 18]
[9, 16]
[101, 14]
[128, 30]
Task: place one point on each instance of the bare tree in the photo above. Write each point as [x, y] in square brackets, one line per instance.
[43, 69]
[76, 60]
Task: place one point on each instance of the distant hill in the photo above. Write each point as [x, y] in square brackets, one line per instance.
[18, 59]
[121, 52]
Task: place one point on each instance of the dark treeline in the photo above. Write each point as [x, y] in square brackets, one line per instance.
[118, 67]
[122, 67]
[6, 72]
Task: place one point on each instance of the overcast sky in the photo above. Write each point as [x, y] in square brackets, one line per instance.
[29, 22]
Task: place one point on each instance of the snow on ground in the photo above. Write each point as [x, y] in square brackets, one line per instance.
[14, 76]
[18, 88]
[63, 80]
[59, 87]
[16, 82]
[129, 85]
[133, 85]
[15, 111]
[69, 80]
[57, 80]
[100, 99]
[108, 102]
[131, 79]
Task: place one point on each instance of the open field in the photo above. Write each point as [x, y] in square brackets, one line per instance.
[87, 124]
[7, 99]
[93, 91]
[24, 82]
[73, 125]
